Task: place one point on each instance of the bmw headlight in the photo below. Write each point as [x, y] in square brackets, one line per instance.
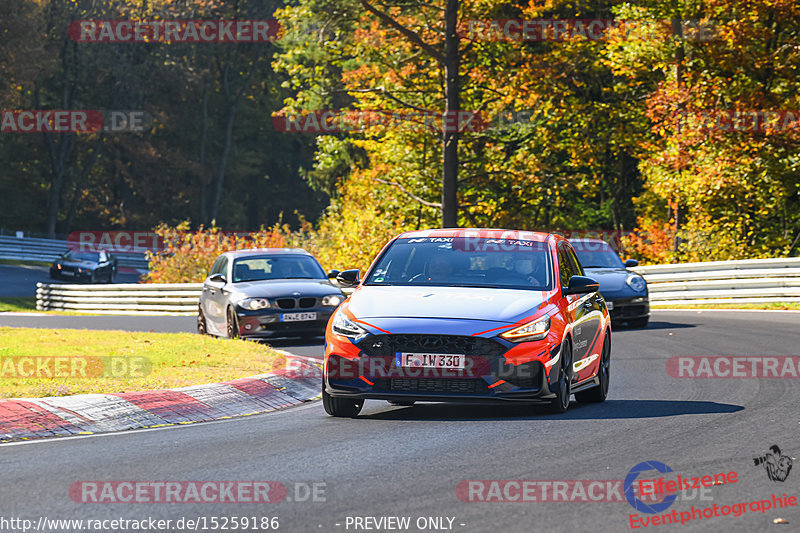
[347, 328]
[254, 304]
[332, 300]
[636, 282]
[532, 331]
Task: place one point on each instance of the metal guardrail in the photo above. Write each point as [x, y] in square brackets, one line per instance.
[121, 298]
[735, 282]
[749, 281]
[47, 251]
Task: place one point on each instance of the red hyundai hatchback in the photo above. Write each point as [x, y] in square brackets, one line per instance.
[470, 315]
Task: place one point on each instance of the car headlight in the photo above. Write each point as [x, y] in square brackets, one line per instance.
[347, 328]
[332, 300]
[532, 331]
[636, 282]
[254, 304]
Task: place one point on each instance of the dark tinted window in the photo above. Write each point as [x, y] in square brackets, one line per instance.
[597, 255]
[464, 262]
[82, 256]
[220, 266]
[567, 265]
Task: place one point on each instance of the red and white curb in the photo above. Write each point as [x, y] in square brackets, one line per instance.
[85, 414]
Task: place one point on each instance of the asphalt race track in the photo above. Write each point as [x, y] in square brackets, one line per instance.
[408, 461]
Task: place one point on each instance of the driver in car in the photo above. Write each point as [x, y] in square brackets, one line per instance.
[439, 268]
[527, 268]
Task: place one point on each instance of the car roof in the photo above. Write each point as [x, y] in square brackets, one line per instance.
[481, 233]
[264, 251]
[588, 241]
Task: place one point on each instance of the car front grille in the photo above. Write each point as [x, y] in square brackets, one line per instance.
[307, 302]
[428, 385]
[388, 345]
[285, 303]
[292, 303]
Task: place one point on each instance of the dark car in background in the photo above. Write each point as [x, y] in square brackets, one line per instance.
[92, 267]
[625, 291]
[274, 292]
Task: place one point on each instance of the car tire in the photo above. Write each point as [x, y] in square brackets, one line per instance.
[402, 403]
[639, 322]
[201, 322]
[600, 392]
[232, 325]
[341, 407]
[93, 278]
[563, 384]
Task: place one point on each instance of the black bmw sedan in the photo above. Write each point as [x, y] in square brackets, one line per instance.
[625, 291]
[94, 267]
[275, 292]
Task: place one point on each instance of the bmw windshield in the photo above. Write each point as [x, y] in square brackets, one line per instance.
[464, 262]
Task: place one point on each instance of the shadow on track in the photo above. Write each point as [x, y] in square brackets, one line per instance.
[655, 325]
[609, 410]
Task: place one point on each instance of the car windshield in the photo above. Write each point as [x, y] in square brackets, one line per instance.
[261, 267]
[597, 255]
[82, 256]
[465, 262]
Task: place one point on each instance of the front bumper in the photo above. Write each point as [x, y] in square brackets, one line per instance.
[71, 273]
[267, 323]
[485, 379]
[629, 308]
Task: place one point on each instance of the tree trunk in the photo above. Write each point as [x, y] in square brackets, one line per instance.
[450, 134]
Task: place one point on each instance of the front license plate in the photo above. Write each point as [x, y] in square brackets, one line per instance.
[298, 317]
[609, 305]
[68, 274]
[430, 360]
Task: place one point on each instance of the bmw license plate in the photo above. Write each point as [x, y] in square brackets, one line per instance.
[430, 360]
[298, 317]
[67, 273]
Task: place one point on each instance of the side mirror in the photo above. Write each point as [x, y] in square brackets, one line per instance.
[217, 278]
[333, 274]
[630, 263]
[349, 278]
[581, 285]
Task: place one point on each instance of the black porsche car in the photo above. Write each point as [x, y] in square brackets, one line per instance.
[625, 291]
[277, 292]
[92, 267]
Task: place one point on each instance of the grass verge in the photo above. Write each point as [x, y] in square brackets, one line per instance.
[17, 303]
[789, 306]
[61, 362]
